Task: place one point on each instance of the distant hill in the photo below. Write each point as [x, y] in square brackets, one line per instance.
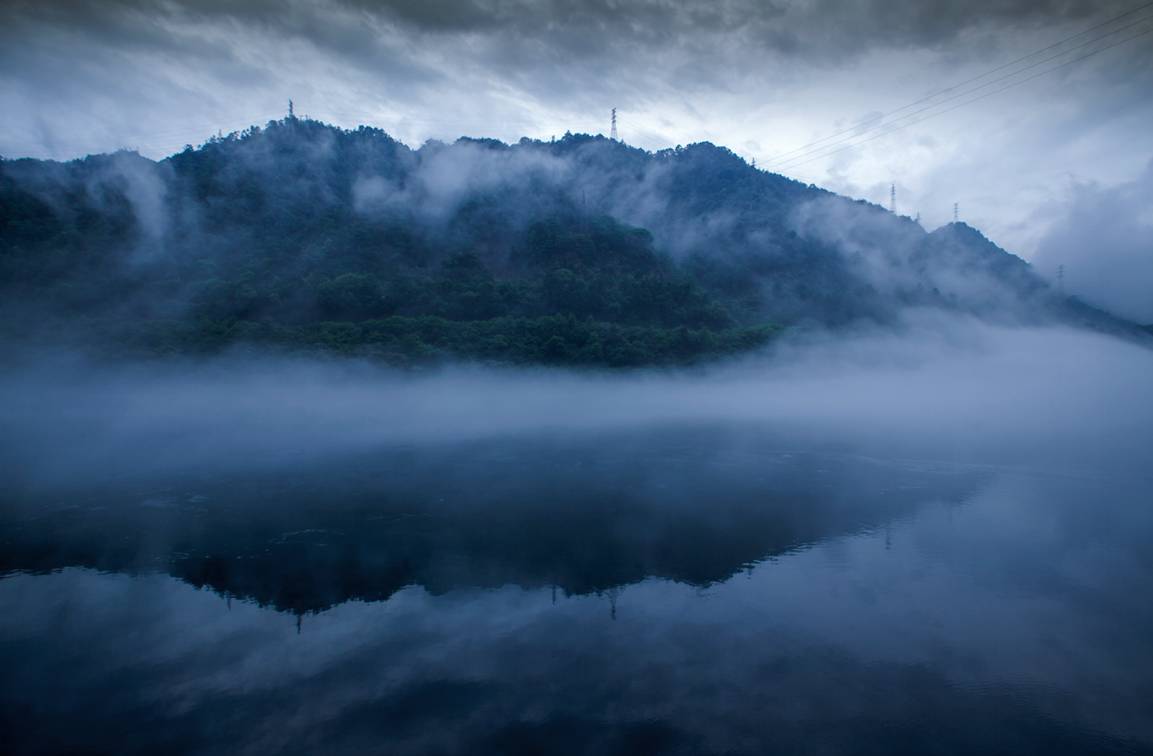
[582, 250]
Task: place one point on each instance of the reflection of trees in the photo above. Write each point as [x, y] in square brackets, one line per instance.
[585, 527]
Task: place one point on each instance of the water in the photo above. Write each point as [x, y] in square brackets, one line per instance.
[678, 590]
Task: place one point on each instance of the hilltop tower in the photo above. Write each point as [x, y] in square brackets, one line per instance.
[291, 113]
[893, 199]
[956, 214]
[613, 132]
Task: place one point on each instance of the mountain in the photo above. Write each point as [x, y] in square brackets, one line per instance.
[581, 250]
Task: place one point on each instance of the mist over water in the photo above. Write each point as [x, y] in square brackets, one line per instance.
[940, 388]
[806, 412]
[929, 539]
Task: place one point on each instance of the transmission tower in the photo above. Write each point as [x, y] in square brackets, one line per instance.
[956, 215]
[893, 199]
[613, 133]
[291, 114]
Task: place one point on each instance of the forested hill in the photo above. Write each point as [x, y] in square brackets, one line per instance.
[582, 250]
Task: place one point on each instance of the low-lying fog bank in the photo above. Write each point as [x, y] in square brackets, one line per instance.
[950, 390]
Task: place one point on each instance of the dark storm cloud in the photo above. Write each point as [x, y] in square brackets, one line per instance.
[556, 52]
[815, 29]
[214, 32]
[818, 27]
[433, 54]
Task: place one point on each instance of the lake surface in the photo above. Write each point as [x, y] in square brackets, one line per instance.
[674, 590]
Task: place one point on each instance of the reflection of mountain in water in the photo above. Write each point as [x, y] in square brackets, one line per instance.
[582, 515]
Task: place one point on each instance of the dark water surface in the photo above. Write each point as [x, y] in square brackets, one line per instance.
[672, 591]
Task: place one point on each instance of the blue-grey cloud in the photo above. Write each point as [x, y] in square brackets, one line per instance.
[1103, 246]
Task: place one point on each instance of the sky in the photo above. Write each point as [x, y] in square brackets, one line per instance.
[1023, 151]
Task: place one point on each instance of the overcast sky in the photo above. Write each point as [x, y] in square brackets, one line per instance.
[762, 77]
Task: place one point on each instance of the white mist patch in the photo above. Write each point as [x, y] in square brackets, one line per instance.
[446, 177]
[942, 389]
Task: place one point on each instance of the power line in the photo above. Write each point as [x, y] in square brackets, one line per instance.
[788, 162]
[792, 164]
[967, 102]
[855, 128]
[856, 131]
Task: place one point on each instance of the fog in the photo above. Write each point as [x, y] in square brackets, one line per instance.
[347, 433]
[1005, 585]
[1104, 243]
[938, 388]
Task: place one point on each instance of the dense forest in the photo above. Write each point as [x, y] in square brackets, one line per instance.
[580, 251]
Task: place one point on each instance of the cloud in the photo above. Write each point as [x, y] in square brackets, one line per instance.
[508, 34]
[1104, 243]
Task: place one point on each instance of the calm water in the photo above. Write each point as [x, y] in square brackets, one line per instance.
[675, 591]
